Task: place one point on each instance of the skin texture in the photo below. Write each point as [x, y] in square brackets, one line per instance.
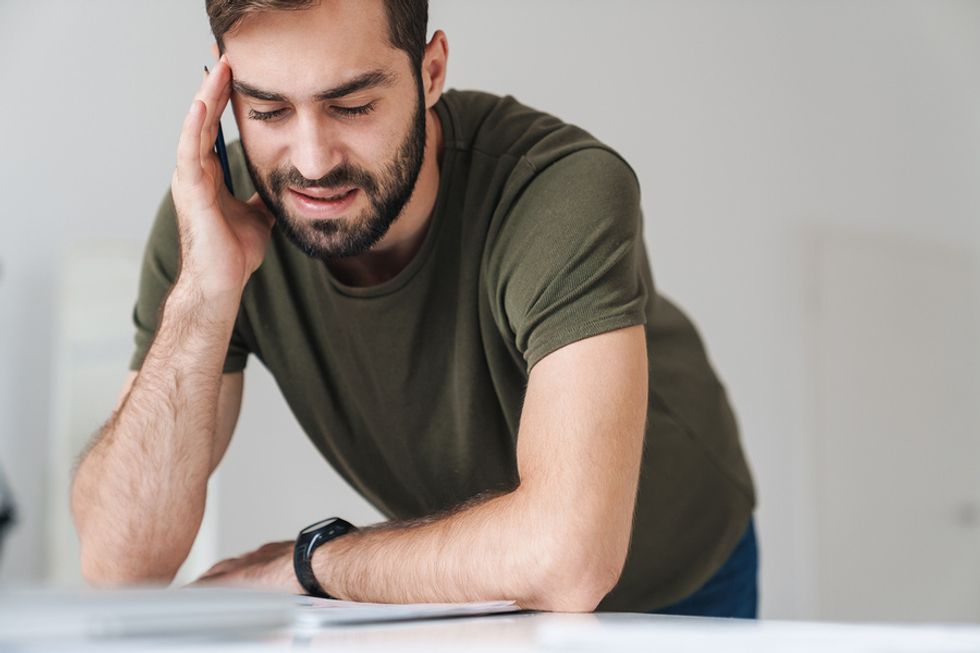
[557, 542]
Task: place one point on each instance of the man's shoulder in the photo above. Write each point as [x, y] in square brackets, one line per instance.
[503, 127]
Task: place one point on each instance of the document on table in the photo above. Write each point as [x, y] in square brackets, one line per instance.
[322, 612]
[29, 614]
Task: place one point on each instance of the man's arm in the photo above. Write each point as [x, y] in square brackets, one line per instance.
[558, 542]
[139, 492]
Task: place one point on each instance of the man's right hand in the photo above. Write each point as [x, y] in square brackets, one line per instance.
[139, 492]
[222, 239]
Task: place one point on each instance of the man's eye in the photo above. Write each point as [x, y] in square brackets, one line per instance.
[265, 115]
[362, 110]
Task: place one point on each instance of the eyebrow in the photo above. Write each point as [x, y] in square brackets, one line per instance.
[368, 80]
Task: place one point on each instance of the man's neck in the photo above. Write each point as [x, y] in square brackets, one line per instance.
[398, 247]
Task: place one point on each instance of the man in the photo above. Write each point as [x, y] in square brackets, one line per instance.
[455, 299]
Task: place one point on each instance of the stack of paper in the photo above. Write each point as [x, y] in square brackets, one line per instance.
[314, 612]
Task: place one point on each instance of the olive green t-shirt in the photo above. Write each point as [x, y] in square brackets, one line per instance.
[412, 388]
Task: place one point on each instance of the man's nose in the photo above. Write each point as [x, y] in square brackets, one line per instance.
[316, 149]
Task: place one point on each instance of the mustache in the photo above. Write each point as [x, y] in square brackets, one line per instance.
[343, 175]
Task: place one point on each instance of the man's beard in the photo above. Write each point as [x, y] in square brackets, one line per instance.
[387, 192]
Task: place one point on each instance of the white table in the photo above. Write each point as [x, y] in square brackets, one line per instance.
[56, 622]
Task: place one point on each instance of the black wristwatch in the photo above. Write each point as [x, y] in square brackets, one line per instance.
[306, 543]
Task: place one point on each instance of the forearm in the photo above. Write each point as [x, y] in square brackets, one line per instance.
[139, 492]
[505, 547]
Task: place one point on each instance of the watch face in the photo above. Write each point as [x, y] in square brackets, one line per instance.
[317, 526]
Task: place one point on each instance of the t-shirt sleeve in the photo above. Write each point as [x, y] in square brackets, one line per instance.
[161, 261]
[566, 264]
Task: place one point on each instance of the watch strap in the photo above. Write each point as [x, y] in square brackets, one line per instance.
[309, 539]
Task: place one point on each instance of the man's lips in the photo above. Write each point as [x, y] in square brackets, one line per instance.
[323, 203]
[327, 194]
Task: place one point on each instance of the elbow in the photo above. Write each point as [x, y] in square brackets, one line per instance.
[99, 572]
[112, 555]
[576, 598]
[103, 565]
[576, 582]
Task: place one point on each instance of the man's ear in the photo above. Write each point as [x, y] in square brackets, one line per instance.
[434, 63]
[214, 51]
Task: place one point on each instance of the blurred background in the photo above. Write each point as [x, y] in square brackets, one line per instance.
[810, 186]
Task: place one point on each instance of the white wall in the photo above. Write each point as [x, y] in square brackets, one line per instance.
[754, 126]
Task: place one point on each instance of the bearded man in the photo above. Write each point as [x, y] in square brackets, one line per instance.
[452, 291]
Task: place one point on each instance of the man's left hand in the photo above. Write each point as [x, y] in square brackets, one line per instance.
[270, 567]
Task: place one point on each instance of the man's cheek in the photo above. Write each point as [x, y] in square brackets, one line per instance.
[265, 147]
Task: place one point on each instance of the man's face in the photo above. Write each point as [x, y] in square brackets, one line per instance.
[332, 121]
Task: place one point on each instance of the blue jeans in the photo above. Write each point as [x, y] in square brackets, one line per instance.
[732, 591]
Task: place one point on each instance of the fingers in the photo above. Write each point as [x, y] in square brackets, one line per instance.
[225, 94]
[201, 123]
[188, 148]
[220, 568]
[214, 93]
[222, 102]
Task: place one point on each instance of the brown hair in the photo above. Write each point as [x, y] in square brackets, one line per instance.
[407, 21]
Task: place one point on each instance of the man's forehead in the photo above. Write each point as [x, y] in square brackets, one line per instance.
[330, 26]
[312, 49]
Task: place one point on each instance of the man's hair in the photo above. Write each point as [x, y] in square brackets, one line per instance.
[407, 21]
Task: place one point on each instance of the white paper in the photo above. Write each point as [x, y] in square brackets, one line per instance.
[315, 612]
